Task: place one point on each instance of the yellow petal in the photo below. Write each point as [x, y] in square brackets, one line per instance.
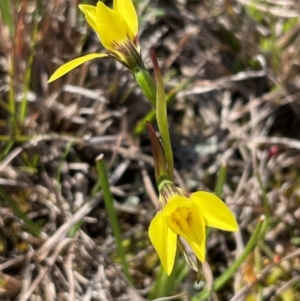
[112, 28]
[62, 70]
[164, 241]
[184, 219]
[90, 13]
[215, 212]
[126, 9]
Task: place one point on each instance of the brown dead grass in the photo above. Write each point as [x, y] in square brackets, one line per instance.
[241, 109]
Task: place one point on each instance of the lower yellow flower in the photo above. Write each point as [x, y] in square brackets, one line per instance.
[187, 216]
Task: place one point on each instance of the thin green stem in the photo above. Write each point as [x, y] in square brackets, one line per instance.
[258, 268]
[5, 149]
[140, 127]
[108, 199]
[11, 99]
[221, 281]
[221, 180]
[218, 189]
[20, 138]
[7, 16]
[60, 166]
[162, 121]
[162, 116]
[163, 284]
[24, 102]
[265, 200]
[160, 166]
[32, 226]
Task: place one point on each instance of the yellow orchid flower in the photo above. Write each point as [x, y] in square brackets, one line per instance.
[182, 214]
[187, 216]
[117, 30]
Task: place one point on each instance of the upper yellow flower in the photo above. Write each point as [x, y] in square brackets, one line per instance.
[187, 216]
[117, 30]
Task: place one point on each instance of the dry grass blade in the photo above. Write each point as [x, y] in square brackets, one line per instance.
[239, 107]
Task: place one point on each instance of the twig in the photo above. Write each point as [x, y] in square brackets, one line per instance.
[69, 271]
[43, 251]
[149, 186]
[24, 296]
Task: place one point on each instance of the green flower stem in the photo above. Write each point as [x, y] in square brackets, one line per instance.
[140, 127]
[145, 81]
[162, 117]
[221, 281]
[162, 121]
[221, 180]
[164, 285]
[108, 199]
[160, 166]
